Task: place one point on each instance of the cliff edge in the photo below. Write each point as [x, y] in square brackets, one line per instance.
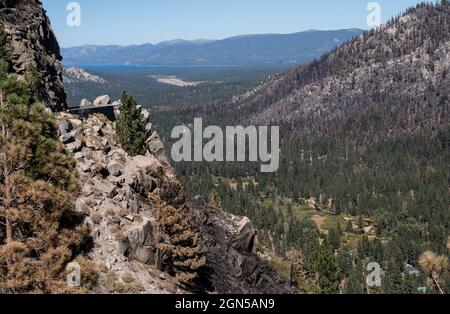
[35, 51]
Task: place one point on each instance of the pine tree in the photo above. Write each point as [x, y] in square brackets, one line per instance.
[327, 271]
[364, 247]
[179, 251]
[361, 223]
[355, 281]
[334, 239]
[5, 53]
[39, 230]
[131, 130]
[345, 261]
[349, 227]
[393, 282]
[339, 230]
[37, 190]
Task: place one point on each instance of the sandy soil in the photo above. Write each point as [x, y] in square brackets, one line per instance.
[173, 80]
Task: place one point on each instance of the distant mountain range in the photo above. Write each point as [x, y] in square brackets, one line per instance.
[264, 49]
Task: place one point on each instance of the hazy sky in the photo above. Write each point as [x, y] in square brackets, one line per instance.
[127, 22]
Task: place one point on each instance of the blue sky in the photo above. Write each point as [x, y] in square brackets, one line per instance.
[127, 22]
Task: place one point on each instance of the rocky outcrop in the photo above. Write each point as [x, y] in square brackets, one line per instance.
[35, 51]
[114, 199]
[233, 268]
[102, 101]
[74, 75]
[85, 103]
[115, 187]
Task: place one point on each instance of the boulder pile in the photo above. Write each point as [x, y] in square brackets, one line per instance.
[114, 199]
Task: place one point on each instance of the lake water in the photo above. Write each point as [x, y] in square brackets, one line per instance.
[163, 69]
[121, 68]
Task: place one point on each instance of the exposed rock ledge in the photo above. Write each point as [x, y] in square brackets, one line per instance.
[35, 51]
[114, 199]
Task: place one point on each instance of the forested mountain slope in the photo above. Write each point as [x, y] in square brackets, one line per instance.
[365, 143]
[389, 80]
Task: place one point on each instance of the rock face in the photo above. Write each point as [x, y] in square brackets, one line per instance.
[228, 242]
[36, 53]
[114, 199]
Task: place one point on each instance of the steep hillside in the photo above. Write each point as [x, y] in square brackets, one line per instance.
[242, 50]
[398, 72]
[122, 198]
[71, 197]
[364, 145]
[35, 50]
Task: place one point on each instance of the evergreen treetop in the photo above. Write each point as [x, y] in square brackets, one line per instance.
[327, 271]
[131, 130]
